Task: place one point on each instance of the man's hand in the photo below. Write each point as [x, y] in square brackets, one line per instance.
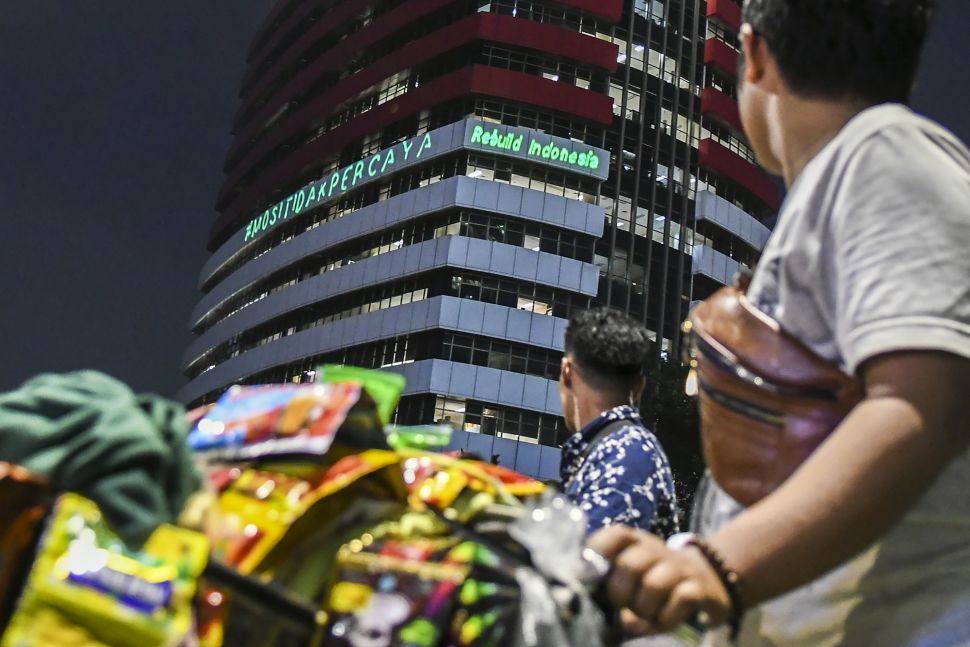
[845, 496]
[663, 587]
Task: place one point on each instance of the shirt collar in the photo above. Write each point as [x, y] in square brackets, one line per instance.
[575, 446]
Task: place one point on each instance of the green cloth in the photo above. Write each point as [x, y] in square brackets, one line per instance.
[89, 433]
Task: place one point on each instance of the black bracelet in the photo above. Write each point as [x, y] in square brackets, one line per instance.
[729, 578]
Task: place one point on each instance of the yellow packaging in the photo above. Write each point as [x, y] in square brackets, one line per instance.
[256, 512]
[87, 588]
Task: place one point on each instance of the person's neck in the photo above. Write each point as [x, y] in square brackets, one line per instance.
[589, 409]
[805, 127]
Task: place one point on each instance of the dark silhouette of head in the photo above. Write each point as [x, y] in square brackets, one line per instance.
[606, 352]
[866, 50]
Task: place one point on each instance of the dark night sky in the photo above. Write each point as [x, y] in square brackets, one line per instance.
[114, 120]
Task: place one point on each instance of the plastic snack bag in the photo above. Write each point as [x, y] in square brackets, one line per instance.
[418, 437]
[394, 590]
[422, 580]
[259, 506]
[383, 386]
[259, 422]
[27, 499]
[87, 588]
[465, 486]
[284, 523]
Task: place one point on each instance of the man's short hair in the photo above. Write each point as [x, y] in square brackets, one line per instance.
[866, 50]
[610, 348]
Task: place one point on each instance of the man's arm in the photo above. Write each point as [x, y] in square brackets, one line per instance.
[849, 493]
[860, 482]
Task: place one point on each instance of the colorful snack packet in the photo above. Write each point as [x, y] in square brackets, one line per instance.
[284, 522]
[488, 600]
[86, 587]
[27, 499]
[390, 600]
[414, 581]
[261, 506]
[516, 484]
[258, 422]
[418, 437]
[466, 487]
[383, 386]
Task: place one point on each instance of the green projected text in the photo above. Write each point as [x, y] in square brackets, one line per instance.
[338, 182]
[506, 140]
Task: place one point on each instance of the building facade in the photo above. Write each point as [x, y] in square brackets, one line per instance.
[434, 186]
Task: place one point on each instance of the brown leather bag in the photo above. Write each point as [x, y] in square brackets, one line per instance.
[766, 400]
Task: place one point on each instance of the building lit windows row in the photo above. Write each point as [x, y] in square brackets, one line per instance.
[470, 416]
[474, 165]
[471, 224]
[477, 417]
[529, 297]
[548, 13]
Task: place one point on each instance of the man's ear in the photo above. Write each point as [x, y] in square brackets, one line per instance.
[566, 372]
[755, 52]
[637, 391]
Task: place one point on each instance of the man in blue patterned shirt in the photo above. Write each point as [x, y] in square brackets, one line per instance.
[612, 466]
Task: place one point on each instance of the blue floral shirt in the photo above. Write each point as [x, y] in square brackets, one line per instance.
[625, 479]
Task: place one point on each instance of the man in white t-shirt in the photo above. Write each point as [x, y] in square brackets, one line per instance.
[868, 542]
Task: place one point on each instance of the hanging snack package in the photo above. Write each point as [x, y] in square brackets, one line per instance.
[392, 602]
[516, 484]
[488, 600]
[262, 506]
[415, 582]
[273, 453]
[434, 438]
[26, 501]
[259, 422]
[467, 487]
[284, 523]
[86, 588]
[383, 387]
[393, 593]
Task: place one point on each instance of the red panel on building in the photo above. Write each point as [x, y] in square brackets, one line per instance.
[330, 60]
[609, 9]
[258, 44]
[726, 13]
[721, 56]
[484, 26]
[382, 27]
[719, 106]
[475, 79]
[724, 162]
[338, 18]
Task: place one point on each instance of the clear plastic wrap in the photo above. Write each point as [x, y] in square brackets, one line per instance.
[557, 606]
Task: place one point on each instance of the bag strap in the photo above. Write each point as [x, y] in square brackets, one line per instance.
[603, 433]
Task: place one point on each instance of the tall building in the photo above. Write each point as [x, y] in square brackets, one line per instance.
[433, 186]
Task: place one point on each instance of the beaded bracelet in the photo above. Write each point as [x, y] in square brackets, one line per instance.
[729, 578]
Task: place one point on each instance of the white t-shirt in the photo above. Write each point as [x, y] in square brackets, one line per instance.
[872, 254]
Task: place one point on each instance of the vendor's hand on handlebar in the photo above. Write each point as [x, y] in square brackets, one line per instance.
[663, 587]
